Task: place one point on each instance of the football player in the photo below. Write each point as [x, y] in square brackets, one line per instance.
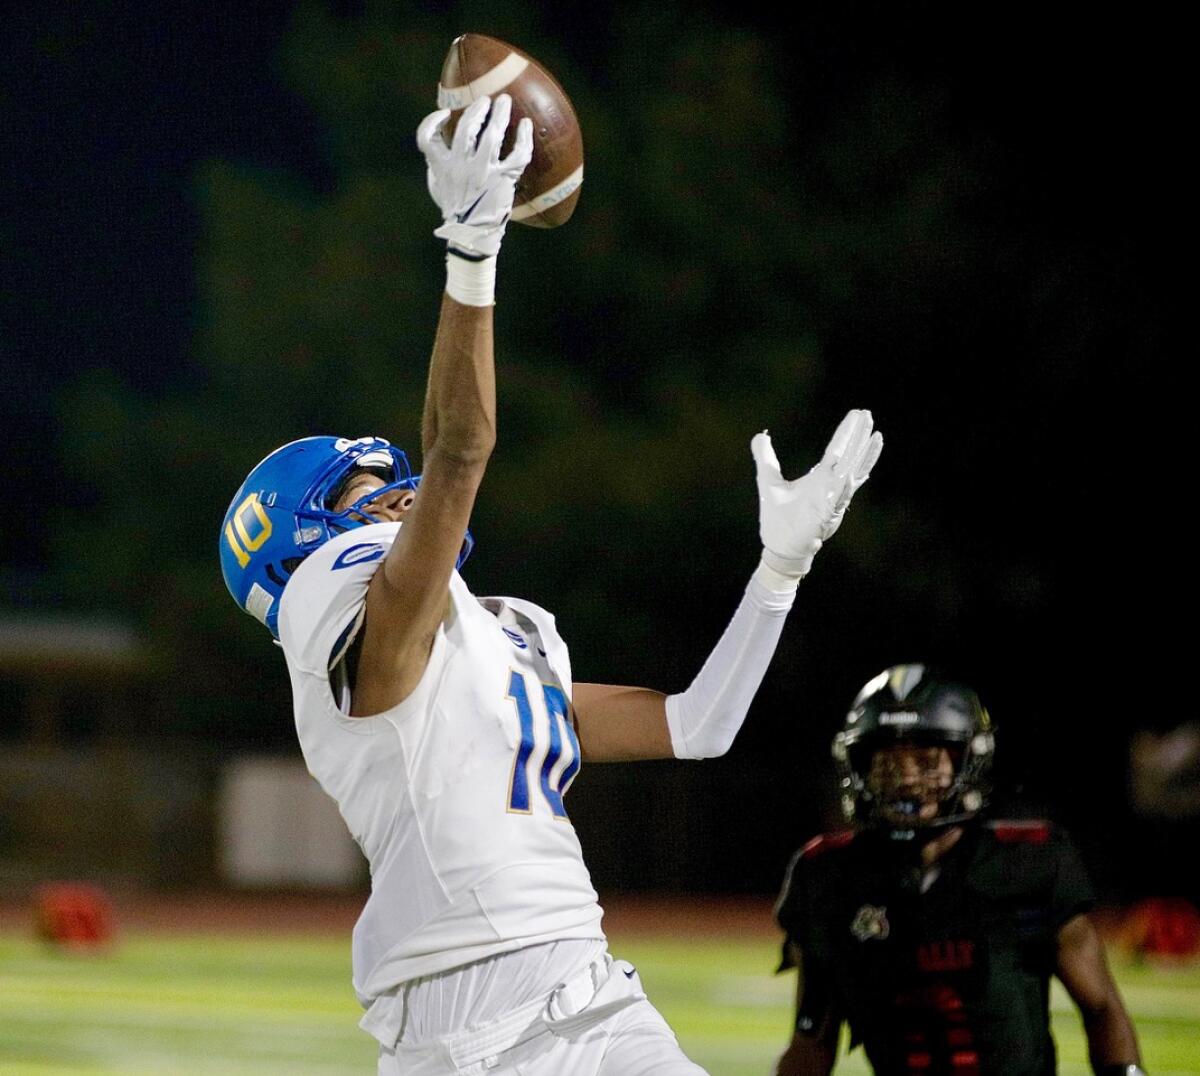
[929, 927]
[448, 727]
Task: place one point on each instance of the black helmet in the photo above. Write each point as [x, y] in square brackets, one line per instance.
[907, 704]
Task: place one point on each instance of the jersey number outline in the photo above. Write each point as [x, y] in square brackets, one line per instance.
[561, 734]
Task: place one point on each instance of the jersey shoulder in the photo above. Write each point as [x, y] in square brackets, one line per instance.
[1020, 831]
[1027, 840]
[824, 843]
[1020, 853]
[527, 623]
[323, 601]
[1035, 860]
[812, 862]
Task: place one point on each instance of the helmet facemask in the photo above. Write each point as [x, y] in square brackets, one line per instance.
[909, 782]
[317, 517]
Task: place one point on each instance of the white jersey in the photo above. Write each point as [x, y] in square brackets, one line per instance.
[455, 795]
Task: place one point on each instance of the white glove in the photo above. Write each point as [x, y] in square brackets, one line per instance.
[796, 518]
[471, 185]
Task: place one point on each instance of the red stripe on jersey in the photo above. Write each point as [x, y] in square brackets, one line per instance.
[823, 842]
[1021, 831]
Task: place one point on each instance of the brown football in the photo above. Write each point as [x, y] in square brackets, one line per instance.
[477, 66]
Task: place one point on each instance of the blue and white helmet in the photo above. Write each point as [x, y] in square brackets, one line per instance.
[284, 511]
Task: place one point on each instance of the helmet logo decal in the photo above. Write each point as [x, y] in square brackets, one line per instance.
[258, 602]
[904, 678]
[362, 553]
[343, 443]
[903, 718]
[248, 517]
[870, 923]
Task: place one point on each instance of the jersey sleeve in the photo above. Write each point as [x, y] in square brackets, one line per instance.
[805, 945]
[324, 601]
[1072, 891]
[798, 909]
[789, 909]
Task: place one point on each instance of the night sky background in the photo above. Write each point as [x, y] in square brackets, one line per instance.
[969, 219]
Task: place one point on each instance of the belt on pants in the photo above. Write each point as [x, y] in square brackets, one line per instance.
[595, 991]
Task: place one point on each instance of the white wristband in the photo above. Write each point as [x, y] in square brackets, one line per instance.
[775, 580]
[472, 283]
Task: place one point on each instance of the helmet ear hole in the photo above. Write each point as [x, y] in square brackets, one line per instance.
[289, 565]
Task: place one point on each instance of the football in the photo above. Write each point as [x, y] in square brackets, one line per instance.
[478, 66]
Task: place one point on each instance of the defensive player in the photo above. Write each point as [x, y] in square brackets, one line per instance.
[928, 927]
[448, 728]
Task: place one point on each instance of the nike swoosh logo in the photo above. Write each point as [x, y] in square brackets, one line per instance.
[462, 217]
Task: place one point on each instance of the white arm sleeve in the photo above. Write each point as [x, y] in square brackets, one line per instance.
[704, 719]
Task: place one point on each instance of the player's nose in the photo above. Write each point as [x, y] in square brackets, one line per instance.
[393, 505]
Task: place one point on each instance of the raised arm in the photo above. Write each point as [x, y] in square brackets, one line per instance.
[795, 519]
[474, 188]
[1081, 965]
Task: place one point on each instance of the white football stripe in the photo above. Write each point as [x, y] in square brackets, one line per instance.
[490, 82]
[551, 198]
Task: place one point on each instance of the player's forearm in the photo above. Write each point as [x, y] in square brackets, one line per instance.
[1112, 1042]
[806, 1056]
[459, 421]
[1081, 965]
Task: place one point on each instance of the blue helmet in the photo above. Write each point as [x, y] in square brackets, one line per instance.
[284, 511]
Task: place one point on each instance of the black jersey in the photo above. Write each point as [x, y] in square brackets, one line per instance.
[942, 976]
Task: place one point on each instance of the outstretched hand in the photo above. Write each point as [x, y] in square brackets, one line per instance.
[797, 517]
[472, 186]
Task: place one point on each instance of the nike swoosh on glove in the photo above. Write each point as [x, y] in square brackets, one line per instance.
[468, 181]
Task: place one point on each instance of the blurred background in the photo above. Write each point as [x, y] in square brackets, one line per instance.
[215, 238]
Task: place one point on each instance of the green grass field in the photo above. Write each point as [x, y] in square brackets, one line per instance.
[273, 1005]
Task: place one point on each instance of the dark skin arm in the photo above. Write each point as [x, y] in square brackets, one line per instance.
[1083, 969]
[621, 724]
[811, 1052]
[407, 598]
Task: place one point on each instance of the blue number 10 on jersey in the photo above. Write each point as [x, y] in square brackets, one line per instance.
[561, 739]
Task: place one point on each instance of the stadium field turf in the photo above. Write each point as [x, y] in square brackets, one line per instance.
[272, 1004]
